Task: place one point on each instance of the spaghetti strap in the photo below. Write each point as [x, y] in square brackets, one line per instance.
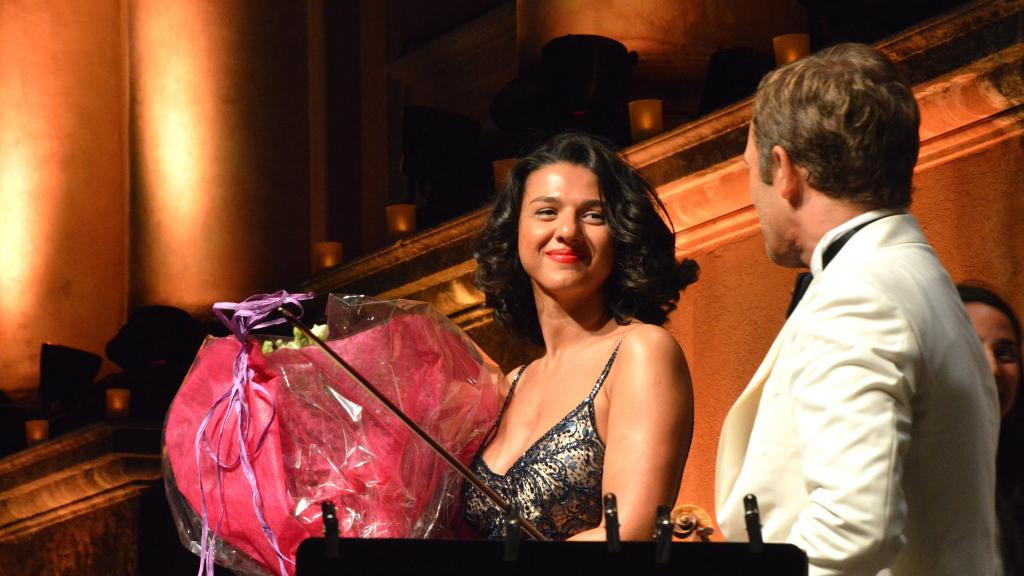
[504, 406]
[556, 482]
[604, 373]
[511, 390]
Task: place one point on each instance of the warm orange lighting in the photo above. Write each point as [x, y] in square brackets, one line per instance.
[674, 39]
[36, 431]
[790, 48]
[17, 223]
[33, 141]
[177, 167]
[119, 402]
[213, 194]
[401, 220]
[178, 137]
[501, 168]
[465, 294]
[645, 119]
[40, 137]
[196, 185]
[327, 255]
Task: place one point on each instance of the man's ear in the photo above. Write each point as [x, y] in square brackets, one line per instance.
[787, 176]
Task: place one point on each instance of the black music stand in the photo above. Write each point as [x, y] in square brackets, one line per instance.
[394, 557]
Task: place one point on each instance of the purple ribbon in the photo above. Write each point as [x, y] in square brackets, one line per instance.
[248, 315]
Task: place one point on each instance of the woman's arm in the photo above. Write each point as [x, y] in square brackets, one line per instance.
[650, 422]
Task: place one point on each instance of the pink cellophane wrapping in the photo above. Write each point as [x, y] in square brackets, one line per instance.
[330, 439]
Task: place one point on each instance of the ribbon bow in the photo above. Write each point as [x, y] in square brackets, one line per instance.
[246, 316]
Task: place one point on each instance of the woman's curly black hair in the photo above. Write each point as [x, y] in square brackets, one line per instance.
[646, 279]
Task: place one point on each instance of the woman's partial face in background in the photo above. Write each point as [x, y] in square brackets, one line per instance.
[1001, 348]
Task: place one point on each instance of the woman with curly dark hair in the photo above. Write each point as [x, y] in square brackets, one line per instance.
[576, 256]
[999, 330]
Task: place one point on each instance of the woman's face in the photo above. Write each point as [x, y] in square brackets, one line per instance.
[1001, 348]
[565, 245]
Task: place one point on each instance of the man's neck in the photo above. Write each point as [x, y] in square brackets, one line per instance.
[818, 215]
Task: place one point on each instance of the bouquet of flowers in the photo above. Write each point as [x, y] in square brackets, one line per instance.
[263, 430]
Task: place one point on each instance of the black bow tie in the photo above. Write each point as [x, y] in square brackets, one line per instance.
[803, 279]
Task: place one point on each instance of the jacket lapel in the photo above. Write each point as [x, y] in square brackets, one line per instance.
[738, 425]
[736, 429]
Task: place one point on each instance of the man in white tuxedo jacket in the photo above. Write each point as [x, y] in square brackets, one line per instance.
[868, 434]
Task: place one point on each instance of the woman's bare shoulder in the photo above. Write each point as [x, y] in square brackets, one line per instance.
[650, 354]
[646, 341]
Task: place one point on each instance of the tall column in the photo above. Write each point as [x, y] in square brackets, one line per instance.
[63, 191]
[219, 149]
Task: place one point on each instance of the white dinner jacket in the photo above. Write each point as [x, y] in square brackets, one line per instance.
[868, 433]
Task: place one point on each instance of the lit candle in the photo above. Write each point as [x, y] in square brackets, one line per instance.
[119, 401]
[790, 48]
[501, 169]
[36, 431]
[401, 220]
[645, 118]
[327, 255]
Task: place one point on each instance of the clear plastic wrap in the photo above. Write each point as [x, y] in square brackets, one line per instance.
[313, 434]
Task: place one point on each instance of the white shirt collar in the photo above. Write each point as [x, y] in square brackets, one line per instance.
[838, 231]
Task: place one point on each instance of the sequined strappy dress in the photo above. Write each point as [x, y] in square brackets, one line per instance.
[556, 483]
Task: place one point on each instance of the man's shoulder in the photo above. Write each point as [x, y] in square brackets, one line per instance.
[890, 241]
[891, 290]
[889, 260]
[900, 285]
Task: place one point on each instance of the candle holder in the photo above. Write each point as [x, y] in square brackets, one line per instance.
[645, 119]
[327, 255]
[791, 47]
[36, 431]
[119, 402]
[401, 220]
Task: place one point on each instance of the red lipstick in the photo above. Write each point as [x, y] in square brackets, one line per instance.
[565, 256]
